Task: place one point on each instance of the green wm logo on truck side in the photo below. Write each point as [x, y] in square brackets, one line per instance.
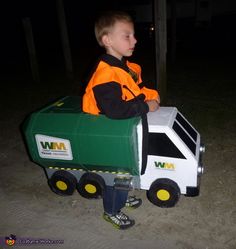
[163, 165]
[53, 146]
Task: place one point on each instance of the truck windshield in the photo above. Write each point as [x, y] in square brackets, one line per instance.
[186, 132]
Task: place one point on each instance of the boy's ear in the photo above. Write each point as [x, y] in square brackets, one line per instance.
[106, 40]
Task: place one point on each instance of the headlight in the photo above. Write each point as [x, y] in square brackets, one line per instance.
[200, 169]
[202, 148]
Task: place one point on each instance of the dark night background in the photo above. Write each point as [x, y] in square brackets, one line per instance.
[216, 41]
[201, 83]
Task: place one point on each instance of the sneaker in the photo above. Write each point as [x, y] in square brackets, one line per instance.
[120, 221]
[133, 202]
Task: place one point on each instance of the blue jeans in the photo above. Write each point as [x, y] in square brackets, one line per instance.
[114, 199]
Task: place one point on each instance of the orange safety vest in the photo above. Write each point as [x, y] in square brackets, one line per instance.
[105, 73]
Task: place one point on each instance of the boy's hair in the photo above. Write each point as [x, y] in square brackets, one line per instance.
[106, 21]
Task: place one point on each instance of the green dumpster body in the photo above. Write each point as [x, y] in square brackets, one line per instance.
[62, 136]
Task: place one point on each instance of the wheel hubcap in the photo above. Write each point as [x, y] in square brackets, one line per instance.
[90, 188]
[163, 195]
[61, 185]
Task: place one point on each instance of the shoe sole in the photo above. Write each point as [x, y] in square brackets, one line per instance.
[106, 218]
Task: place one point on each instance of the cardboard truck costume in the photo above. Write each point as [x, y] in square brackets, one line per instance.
[87, 152]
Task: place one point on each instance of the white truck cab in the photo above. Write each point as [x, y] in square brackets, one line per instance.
[174, 157]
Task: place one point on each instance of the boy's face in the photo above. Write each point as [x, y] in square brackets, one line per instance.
[120, 41]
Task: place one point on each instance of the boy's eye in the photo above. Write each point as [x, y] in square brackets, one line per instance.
[127, 37]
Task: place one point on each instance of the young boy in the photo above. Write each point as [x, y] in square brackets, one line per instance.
[115, 90]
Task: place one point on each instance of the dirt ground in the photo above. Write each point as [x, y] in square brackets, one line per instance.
[204, 90]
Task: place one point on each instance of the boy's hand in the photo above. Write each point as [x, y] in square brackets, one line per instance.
[153, 105]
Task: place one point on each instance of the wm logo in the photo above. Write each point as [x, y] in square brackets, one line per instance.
[168, 166]
[53, 146]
